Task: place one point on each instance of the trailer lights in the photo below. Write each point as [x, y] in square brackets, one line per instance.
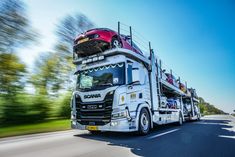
[100, 57]
[84, 62]
[89, 60]
[93, 59]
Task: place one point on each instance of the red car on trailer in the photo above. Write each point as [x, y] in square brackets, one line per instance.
[100, 39]
[172, 80]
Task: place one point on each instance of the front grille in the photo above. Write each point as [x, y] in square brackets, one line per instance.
[94, 113]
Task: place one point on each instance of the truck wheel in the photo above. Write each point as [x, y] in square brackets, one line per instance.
[180, 119]
[144, 122]
[116, 43]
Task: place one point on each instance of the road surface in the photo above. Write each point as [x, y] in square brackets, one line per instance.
[213, 136]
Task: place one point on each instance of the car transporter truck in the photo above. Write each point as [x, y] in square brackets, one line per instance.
[123, 91]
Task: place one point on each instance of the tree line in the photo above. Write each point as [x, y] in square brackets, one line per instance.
[43, 93]
[207, 108]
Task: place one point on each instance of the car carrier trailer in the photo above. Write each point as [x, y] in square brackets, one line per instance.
[123, 91]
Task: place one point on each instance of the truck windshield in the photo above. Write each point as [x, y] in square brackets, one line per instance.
[101, 77]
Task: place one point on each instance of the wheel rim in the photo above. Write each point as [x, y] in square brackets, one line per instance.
[144, 122]
[116, 43]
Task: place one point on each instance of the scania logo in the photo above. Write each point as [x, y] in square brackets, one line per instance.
[92, 96]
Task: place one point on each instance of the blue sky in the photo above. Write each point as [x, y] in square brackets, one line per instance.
[196, 38]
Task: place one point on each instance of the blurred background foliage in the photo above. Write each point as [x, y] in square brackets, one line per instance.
[207, 108]
[15, 28]
[51, 81]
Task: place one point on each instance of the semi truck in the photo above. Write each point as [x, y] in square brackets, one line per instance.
[120, 90]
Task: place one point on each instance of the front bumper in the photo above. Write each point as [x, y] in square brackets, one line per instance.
[117, 125]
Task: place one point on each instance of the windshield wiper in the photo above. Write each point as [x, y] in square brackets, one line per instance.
[103, 85]
[135, 82]
[96, 86]
[85, 88]
[106, 84]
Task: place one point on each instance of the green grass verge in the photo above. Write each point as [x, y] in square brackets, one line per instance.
[49, 126]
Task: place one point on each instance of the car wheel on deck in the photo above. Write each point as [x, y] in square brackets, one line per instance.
[116, 43]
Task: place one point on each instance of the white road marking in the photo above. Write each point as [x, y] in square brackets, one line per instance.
[161, 134]
[208, 123]
[232, 137]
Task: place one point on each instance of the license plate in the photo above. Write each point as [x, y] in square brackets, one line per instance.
[91, 127]
[91, 107]
[82, 40]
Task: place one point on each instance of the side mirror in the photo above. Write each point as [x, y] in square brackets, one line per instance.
[135, 73]
[164, 70]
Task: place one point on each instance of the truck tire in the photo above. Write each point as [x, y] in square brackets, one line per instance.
[180, 122]
[144, 122]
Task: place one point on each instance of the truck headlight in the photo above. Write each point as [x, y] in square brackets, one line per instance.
[121, 114]
[122, 99]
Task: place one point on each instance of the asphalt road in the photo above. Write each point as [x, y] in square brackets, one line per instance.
[213, 136]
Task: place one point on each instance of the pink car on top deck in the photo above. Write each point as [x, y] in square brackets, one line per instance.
[100, 39]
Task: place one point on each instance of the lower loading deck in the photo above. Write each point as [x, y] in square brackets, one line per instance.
[172, 89]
